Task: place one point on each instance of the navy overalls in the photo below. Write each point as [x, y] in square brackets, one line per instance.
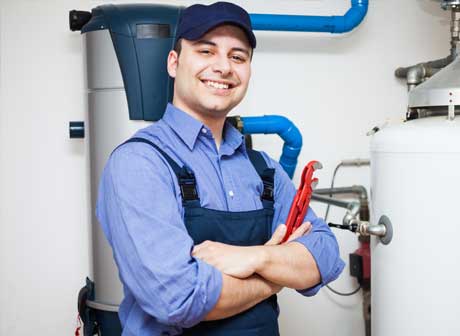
[244, 228]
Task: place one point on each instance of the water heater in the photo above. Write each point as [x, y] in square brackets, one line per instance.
[415, 181]
[126, 49]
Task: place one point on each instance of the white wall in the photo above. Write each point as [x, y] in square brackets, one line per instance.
[335, 88]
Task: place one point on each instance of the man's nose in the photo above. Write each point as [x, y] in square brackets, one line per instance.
[223, 65]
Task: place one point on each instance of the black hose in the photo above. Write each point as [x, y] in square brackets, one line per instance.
[344, 294]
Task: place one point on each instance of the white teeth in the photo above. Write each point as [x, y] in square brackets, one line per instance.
[217, 85]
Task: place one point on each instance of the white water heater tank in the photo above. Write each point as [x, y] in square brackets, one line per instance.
[415, 169]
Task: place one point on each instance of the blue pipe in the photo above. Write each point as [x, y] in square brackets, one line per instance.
[285, 129]
[305, 23]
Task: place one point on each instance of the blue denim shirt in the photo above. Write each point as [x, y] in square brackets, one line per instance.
[140, 210]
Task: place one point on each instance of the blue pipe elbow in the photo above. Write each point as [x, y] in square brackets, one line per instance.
[332, 24]
[353, 17]
[285, 129]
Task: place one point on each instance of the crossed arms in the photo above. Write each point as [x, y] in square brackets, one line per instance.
[254, 273]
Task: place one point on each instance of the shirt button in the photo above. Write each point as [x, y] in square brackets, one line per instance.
[231, 194]
[204, 130]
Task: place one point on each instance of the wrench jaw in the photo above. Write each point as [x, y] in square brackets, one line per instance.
[317, 165]
[307, 174]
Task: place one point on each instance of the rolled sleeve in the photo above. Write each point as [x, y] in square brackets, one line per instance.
[322, 245]
[140, 211]
[203, 299]
[320, 241]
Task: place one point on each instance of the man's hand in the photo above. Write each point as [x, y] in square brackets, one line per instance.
[236, 261]
[241, 261]
[280, 231]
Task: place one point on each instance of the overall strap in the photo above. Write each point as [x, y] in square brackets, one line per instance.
[185, 176]
[266, 174]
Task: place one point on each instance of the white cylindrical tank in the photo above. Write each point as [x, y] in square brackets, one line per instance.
[126, 48]
[109, 126]
[415, 169]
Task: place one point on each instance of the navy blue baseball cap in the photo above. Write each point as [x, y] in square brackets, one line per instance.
[198, 19]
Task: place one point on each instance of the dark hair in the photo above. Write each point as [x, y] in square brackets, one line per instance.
[178, 47]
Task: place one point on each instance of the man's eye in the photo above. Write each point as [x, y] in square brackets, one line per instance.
[205, 52]
[238, 58]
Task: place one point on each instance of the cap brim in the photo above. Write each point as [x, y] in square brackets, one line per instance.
[199, 31]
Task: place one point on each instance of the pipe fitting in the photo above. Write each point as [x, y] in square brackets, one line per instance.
[361, 191]
[366, 229]
[353, 17]
[353, 208]
[416, 74]
[351, 217]
[383, 230]
[285, 129]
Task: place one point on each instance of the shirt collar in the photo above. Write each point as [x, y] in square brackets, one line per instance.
[232, 140]
[188, 129]
[185, 126]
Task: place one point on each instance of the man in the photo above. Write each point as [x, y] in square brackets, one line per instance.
[192, 216]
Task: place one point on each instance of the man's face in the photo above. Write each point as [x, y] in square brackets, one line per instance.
[211, 74]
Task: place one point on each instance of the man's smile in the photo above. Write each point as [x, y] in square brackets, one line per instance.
[220, 85]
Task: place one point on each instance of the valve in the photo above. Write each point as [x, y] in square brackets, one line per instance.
[383, 230]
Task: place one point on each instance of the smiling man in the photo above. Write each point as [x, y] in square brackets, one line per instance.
[193, 217]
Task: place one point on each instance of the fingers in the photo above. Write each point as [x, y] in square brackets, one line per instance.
[277, 236]
[197, 248]
[300, 231]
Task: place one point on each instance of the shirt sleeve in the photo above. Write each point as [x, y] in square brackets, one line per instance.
[139, 208]
[320, 242]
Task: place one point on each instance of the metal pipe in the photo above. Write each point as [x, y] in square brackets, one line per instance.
[377, 230]
[306, 23]
[285, 129]
[355, 162]
[355, 189]
[454, 30]
[329, 200]
[415, 74]
[352, 206]
[365, 228]
[428, 68]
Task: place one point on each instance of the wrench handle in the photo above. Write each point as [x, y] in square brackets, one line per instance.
[301, 200]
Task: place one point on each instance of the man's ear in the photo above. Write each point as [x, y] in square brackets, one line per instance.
[172, 63]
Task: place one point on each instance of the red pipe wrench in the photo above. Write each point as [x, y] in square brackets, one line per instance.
[302, 198]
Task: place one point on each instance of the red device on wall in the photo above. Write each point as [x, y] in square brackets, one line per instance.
[302, 198]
